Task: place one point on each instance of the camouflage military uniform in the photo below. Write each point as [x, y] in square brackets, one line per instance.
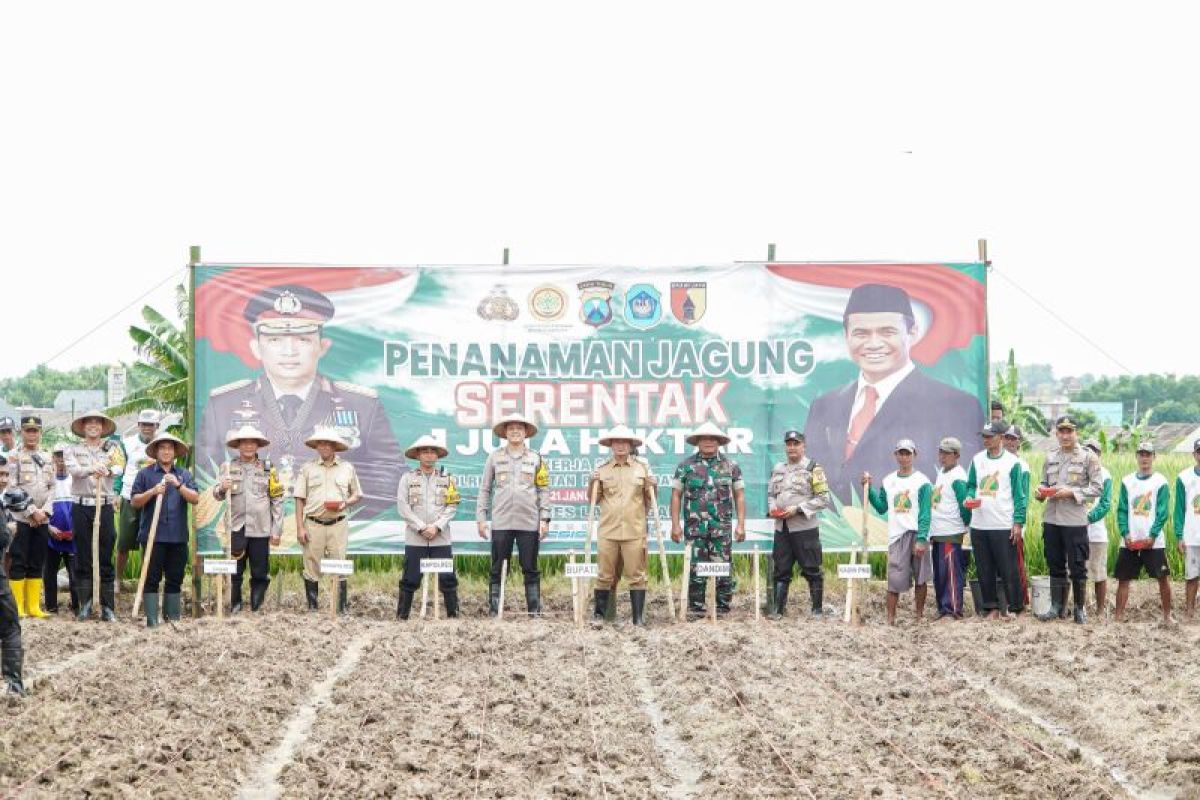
[707, 487]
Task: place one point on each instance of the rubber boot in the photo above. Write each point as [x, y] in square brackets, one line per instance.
[1058, 600]
[108, 603]
[493, 599]
[817, 594]
[310, 594]
[18, 590]
[781, 594]
[696, 600]
[150, 601]
[637, 601]
[83, 589]
[533, 599]
[171, 606]
[451, 598]
[342, 601]
[600, 601]
[404, 604]
[33, 598]
[258, 594]
[10, 670]
[1079, 589]
[235, 596]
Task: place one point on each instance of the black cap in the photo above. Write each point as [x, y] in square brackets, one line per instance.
[7, 424]
[793, 436]
[31, 421]
[1196, 445]
[1066, 421]
[997, 428]
[288, 310]
[997, 405]
[876, 297]
[1013, 431]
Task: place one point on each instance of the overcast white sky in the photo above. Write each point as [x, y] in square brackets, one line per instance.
[638, 133]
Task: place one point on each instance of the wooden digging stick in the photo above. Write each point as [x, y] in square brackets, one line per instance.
[710, 597]
[424, 594]
[757, 605]
[433, 590]
[576, 617]
[503, 582]
[137, 598]
[662, 553]
[227, 550]
[96, 550]
[683, 582]
[594, 493]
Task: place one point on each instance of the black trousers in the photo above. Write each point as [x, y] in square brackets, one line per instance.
[54, 560]
[169, 559]
[81, 524]
[798, 547]
[410, 581]
[1066, 550]
[527, 549]
[996, 557]
[258, 554]
[10, 624]
[28, 551]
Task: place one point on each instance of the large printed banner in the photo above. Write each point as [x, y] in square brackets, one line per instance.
[856, 356]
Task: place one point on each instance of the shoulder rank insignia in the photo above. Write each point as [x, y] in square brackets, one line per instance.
[354, 388]
[229, 387]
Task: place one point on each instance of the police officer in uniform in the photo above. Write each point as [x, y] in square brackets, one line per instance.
[513, 493]
[290, 398]
[255, 512]
[96, 460]
[427, 500]
[12, 655]
[624, 492]
[796, 492]
[32, 470]
[326, 488]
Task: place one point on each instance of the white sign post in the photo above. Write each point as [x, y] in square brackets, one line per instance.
[712, 570]
[333, 567]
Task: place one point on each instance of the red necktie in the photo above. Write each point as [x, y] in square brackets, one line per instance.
[858, 426]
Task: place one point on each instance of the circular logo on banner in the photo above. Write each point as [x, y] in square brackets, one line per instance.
[643, 306]
[547, 303]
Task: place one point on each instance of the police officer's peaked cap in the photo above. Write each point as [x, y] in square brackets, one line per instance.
[414, 451]
[871, 298]
[31, 421]
[288, 310]
[793, 436]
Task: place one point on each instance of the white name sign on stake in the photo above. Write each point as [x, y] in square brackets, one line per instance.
[336, 566]
[583, 570]
[437, 565]
[220, 566]
[852, 572]
[713, 569]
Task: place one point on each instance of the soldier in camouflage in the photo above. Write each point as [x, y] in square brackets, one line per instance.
[796, 493]
[707, 489]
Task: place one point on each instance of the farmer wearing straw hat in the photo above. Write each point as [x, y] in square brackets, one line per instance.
[513, 493]
[175, 489]
[94, 461]
[32, 470]
[12, 654]
[136, 458]
[707, 489]
[796, 493]
[427, 499]
[255, 512]
[325, 490]
[624, 495]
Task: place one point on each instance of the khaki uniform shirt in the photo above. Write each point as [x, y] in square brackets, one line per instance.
[801, 485]
[318, 482]
[624, 499]
[425, 500]
[513, 491]
[1078, 470]
[37, 481]
[256, 498]
[81, 459]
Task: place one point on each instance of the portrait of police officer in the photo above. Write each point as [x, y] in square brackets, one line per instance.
[290, 398]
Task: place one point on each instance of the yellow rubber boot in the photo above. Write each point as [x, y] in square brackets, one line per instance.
[18, 590]
[33, 598]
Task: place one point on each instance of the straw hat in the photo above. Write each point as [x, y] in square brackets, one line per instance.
[420, 444]
[324, 433]
[707, 429]
[620, 433]
[502, 424]
[246, 432]
[109, 425]
[181, 448]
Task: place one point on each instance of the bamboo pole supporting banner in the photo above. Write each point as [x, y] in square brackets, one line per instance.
[137, 598]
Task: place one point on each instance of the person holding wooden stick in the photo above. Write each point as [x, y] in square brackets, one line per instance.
[624, 491]
[92, 464]
[904, 498]
[796, 493]
[325, 490]
[31, 470]
[175, 489]
[707, 490]
[427, 500]
[12, 654]
[255, 513]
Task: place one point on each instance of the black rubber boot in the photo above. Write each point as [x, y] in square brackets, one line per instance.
[343, 601]
[258, 593]
[696, 600]
[107, 603]
[816, 592]
[493, 599]
[235, 596]
[600, 603]
[533, 599]
[781, 594]
[1079, 590]
[310, 593]
[404, 604]
[10, 669]
[84, 590]
[451, 598]
[151, 603]
[1058, 600]
[637, 601]
[172, 606]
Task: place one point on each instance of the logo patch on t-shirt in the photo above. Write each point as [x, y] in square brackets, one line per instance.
[990, 484]
[1142, 504]
[902, 502]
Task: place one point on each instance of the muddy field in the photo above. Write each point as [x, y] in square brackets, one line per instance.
[294, 705]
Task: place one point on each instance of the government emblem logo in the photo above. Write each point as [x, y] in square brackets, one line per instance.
[689, 300]
[498, 306]
[595, 302]
[643, 306]
[547, 303]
